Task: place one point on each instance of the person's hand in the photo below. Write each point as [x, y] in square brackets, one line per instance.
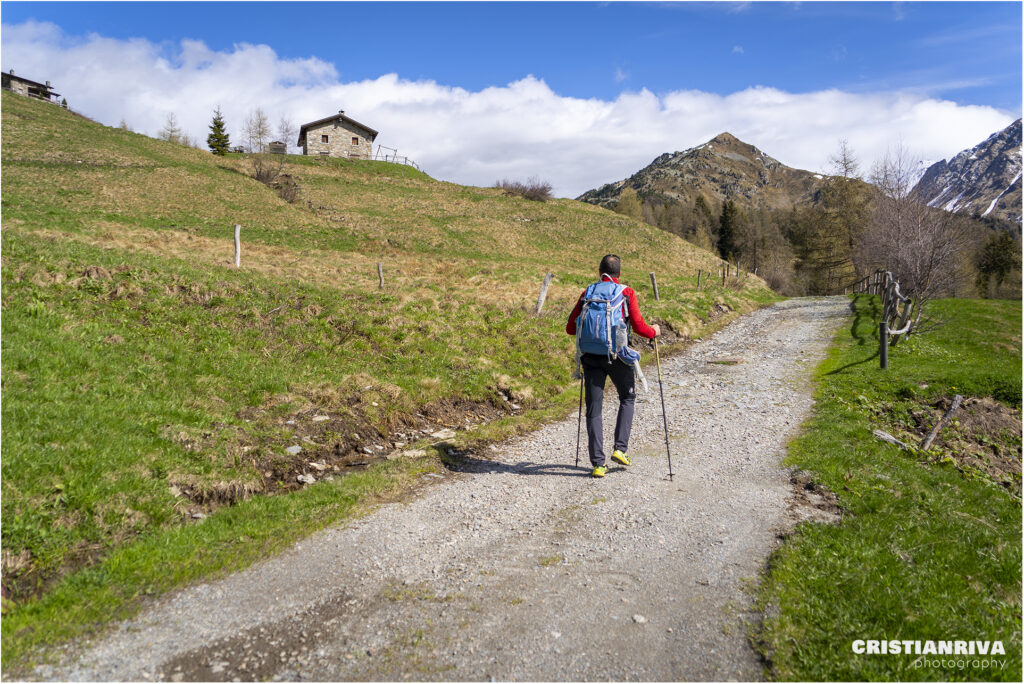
[657, 329]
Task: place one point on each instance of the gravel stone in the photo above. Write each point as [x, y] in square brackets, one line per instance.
[472, 579]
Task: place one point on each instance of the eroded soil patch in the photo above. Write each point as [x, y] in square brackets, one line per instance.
[983, 437]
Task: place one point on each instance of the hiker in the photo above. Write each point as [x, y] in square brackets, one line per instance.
[607, 305]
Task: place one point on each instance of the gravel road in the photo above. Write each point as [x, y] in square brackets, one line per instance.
[519, 566]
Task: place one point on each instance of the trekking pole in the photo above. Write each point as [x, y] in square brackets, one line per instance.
[579, 423]
[664, 416]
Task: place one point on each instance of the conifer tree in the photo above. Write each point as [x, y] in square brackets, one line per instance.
[64, 103]
[727, 228]
[170, 132]
[218, 141]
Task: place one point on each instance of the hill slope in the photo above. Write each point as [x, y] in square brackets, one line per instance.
[153, 393]
[984, 180]
[722, 168]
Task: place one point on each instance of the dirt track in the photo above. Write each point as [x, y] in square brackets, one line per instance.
[521, 567]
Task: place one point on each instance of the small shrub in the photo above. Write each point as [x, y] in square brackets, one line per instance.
[287, 188]
[265, 168]
[533, 189]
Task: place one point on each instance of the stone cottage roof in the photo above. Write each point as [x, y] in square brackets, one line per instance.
[340, 116]
[44, 88]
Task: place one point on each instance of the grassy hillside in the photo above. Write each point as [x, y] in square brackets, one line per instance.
[152, 393]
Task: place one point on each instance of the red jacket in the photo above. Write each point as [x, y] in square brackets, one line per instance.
[636, 321]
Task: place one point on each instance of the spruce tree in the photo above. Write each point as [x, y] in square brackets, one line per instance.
[218, 141]
[727, 226]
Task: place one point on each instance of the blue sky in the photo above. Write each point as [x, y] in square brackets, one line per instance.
[969, 52]
[964, 55]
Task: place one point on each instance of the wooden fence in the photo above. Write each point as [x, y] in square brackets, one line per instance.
[896, 321]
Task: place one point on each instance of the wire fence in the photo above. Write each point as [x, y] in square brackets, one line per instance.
[390, 154]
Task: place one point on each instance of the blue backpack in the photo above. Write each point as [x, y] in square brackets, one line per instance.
[603, 324]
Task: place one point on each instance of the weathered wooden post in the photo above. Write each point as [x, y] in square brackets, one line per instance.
[238, 246]
[927, 443]
[699, 272]
[544, 292]
[654, 284]
[724, 275]
[883, 327]
[380, 276]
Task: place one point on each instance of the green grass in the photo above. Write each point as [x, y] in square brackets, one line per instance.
[145, 378]
[927, 549]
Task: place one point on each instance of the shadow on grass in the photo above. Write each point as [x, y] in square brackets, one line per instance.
[852, 364]
[865, 309]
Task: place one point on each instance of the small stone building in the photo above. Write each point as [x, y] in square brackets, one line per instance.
[24, 86]
[337, 136]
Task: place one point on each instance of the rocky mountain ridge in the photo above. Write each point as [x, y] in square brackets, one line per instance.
[984, 180]
[722, 168]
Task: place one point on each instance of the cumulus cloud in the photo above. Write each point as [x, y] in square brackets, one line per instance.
[737, 49]
[515, 131]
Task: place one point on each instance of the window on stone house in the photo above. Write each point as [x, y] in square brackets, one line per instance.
[323, 138]
[355, 141]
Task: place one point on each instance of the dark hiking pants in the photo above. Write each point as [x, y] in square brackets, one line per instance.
[596, 369]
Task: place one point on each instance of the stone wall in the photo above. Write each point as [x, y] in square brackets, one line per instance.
[15, 85]
[343, 140]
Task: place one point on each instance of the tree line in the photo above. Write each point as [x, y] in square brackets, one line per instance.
[256, 134]
[856, 224]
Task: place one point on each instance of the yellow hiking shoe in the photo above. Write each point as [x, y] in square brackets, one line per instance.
[620, 457]
[599, 471]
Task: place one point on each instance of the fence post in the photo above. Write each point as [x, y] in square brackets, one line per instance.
[883, 327]
[380, 275]
[238, 246]
[699, 272]
[883, 339]
[724, 276]
[544, 292]
[654, 284]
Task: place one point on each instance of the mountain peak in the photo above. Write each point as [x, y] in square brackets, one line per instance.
[725, 138]
[723, 168]
[985, 179]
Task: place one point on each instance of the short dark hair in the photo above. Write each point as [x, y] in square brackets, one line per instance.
[612, 265]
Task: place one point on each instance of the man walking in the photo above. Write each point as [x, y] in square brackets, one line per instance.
[597, 367]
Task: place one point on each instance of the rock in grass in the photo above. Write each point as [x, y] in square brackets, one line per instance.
[639, 619]
[306, 478]
[293, 450]
[443, 434]
[320, 419]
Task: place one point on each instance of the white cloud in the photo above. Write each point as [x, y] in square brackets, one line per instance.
[516, 130]
[737, 49]
[621, 75]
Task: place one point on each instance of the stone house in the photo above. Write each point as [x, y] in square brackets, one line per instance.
[337, 136]
[24, 86]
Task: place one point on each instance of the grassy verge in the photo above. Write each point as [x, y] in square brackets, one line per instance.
[929, 544]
